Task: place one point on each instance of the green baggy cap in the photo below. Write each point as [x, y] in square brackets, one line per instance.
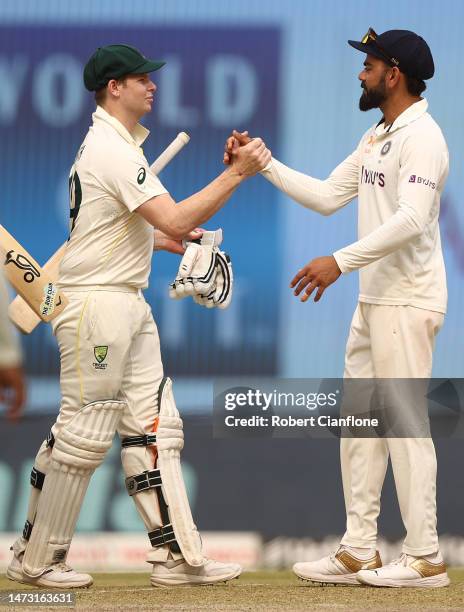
[114, 62]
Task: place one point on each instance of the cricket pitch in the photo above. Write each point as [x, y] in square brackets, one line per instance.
[264, 591]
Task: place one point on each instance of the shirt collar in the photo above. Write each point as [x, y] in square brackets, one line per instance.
[412, 113]
[137, 137]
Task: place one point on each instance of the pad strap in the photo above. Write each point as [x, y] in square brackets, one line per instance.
[37, 481]
[27, 530]
[145, 440]
[149, 479]
[37, 478]
[50, 440]
[162, 536]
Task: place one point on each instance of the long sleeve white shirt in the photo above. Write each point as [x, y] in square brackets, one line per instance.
[398, 174]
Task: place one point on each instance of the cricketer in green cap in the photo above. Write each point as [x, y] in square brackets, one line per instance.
[115, 62]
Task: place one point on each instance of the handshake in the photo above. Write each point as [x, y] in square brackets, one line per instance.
[248, 155]
[205, 272]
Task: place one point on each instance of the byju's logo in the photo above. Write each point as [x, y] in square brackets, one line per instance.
[372, 177]
[422, 181]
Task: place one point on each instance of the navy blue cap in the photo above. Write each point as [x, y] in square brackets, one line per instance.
[401, 48]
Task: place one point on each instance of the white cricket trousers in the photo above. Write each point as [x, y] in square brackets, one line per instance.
[109, 349]
[390, 342]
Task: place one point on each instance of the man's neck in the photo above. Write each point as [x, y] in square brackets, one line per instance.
[127, 120]
[394, 107]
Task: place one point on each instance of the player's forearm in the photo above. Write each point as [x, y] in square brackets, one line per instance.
[201, 206]
[10, 354]
[400, 229]
[321, 196]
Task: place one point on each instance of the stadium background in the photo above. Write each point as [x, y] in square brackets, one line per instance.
[284, 72]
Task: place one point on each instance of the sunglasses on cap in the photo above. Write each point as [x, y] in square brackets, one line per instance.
[371, 37]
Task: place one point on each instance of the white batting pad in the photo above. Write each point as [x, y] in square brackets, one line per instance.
[79, 448]
[170, 441]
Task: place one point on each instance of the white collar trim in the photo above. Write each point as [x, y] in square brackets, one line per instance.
[137, 137]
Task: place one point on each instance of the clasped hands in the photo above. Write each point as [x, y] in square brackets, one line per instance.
[319, 273]
[248, 155]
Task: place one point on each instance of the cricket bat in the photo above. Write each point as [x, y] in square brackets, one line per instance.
[20, 311]
[37, 287]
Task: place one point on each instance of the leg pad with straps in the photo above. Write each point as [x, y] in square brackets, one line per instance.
[151, 479]
[178, 530]
[37, 481]
[79, 449]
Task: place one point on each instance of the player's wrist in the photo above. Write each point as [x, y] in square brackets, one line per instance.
[338, 257]
[235, 173]
[267, 167]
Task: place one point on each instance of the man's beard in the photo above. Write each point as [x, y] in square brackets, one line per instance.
[372, 98]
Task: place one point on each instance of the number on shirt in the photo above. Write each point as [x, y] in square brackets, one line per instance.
[75, 198]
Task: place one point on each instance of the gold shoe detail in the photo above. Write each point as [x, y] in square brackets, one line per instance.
[353, 564]
[427, 568]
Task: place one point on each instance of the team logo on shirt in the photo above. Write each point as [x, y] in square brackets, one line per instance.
[141, 175]
[422, 181]
[372, 177]
[100, 353]
[386, 148]
[369, 144]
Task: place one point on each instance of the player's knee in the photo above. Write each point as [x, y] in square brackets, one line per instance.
[85, 439]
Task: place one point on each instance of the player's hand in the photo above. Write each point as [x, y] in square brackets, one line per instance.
[234, 142]
[163, 242]
[251, 158]
[12, 391]
[318, 274]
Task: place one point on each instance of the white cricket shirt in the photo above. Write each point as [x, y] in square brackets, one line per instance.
[109, 243]
[398, 173]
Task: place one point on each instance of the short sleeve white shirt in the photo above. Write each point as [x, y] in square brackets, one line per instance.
[109, 243]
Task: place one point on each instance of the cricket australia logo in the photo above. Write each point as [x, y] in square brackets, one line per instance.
[100, 353]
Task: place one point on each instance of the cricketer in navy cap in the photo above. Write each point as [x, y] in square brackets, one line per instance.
[401, 48]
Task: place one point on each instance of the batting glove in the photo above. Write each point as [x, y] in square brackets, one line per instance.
[221, 294]
[196, 272]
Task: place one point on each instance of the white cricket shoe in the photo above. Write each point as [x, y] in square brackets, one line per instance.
[408, 571]
[180, 573]
[338, 568]
[58, 575]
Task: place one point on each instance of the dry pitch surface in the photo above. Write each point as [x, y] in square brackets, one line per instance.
[264, 591]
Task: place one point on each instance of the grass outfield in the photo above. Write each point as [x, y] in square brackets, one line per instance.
[267, 591]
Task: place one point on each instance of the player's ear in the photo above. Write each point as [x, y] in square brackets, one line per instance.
[113, 88]
[394, 76]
